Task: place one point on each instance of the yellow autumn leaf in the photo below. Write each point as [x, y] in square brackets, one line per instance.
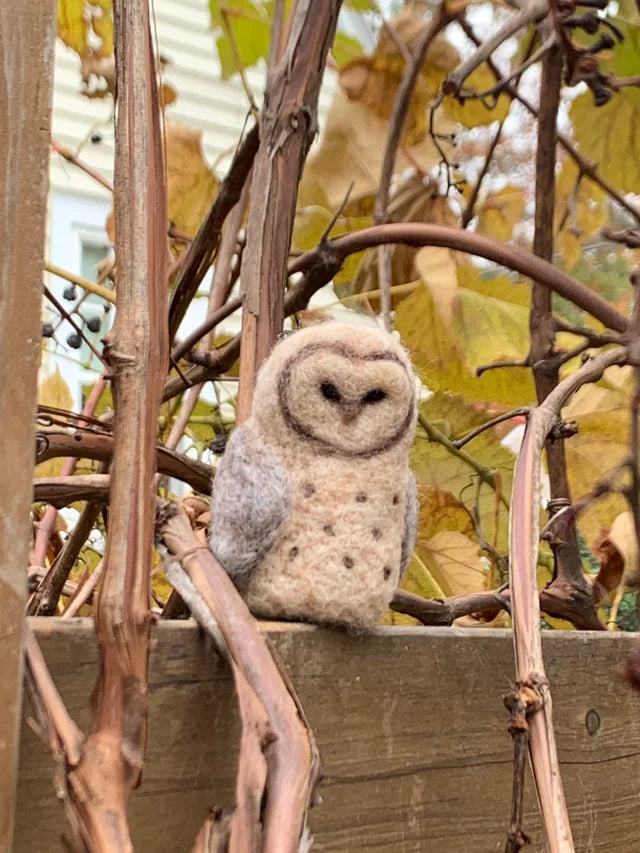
[440, 510]
[53, 391]
[103, 27]
[500, 212]
[607, 136]
[602, 415]
[86, 27]
[484, 329]
[72, 25]
[623, 536]
[439, 472]
[455, 562]
[580, 212]
[351, 150]
[438, 269]
[191, 183]
[475, 112]
[374, 80]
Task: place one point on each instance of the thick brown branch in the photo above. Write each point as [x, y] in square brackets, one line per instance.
[86, 445]
[323, 262]
[137, 351]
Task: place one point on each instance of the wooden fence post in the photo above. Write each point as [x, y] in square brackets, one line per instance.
[26, 78]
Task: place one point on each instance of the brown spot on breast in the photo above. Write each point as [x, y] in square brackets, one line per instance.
[361, 497]
[328, 529]
[347, 561]
[386, 572]
[396, 499]
[293, 552]
[376, 533]
[309, 490]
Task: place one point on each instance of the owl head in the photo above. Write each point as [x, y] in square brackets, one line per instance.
[338, 389]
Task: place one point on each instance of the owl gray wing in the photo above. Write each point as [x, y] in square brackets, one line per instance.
[250, 499]
[410, 522]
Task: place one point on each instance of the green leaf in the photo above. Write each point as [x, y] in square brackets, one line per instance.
[345, 48]
[245, 36]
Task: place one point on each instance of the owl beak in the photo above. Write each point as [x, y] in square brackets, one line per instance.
[350, 411]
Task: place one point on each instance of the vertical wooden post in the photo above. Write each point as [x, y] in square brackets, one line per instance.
[26, 80]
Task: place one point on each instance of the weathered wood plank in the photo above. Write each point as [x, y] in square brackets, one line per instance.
[411, 729]
[26, 82]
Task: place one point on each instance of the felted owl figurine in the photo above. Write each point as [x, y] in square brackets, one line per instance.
[314, 508]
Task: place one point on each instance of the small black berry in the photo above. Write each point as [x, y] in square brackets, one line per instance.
[47, 330]
[93, 324]
[69, 293]
[96, 138]
[218, 443]
[74, 340]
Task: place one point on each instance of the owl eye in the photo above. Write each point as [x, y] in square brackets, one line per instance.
[329, 391]
[374, 396]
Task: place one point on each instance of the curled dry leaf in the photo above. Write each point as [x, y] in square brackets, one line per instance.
[618, 555]
[414, 200]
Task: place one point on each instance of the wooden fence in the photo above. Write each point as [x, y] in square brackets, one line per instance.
[411, 729]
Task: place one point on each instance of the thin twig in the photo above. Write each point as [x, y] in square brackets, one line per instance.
[468, 214]
[89, 286]
[202, 250]
[62, 311]
[487, 475]
[584, 165]
[47, 523]
[533, 11]
[438, 20]
[83, 592]
[68, 155]
[506, 416]
[501, 84]
[45, 600]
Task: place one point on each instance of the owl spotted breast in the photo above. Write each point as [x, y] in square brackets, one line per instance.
[314, 508]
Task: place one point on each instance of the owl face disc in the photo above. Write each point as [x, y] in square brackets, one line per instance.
[346, 402]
